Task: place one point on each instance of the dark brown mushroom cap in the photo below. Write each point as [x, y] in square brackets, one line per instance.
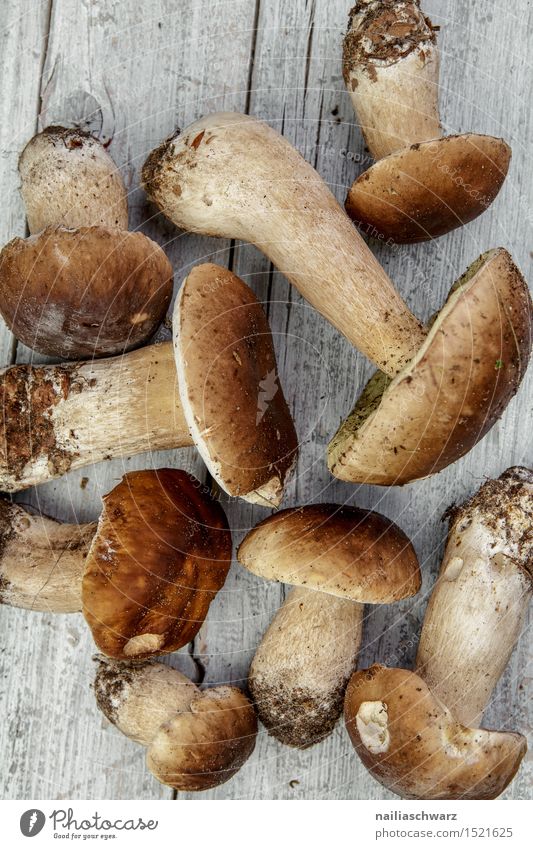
[429, 188]
[86, 292]
[161, 552]
[229, 386]
[454, 389]
[68, 178]
[344, 551]
[208, 744]
[412, 745]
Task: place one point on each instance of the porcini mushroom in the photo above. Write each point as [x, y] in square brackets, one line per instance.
[452, 392]
[68, 178]
[413, 745]
[476, 611]
[424, 184]
[157, 558]
[194, 739]
[61, 417]
[85, 292]
[339, 558]
[80, 285]
[231, 175]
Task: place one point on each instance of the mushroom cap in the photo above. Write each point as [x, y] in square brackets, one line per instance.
[67, 177]
[86, 292]
[229, 388]
[430, 188]
[207, 745]
[411, 743]
[454, 389]
[344, 551]
[160, 554]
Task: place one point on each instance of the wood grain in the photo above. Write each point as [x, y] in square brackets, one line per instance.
[132, 73]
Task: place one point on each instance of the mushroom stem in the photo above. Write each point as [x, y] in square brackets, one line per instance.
[299, 693]
[391, 71]
[476, 612]
[61, 417]
[41, 561]
[139, 698]
[195, 739]
[233, 176]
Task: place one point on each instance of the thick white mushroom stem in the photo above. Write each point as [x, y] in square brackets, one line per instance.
[391, 71]
[301, 668]
[477, 610]
[195, 740]
[62, 417]
[41, 561]
[233, 176]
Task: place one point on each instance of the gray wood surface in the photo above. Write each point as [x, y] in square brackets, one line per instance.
[131, 72]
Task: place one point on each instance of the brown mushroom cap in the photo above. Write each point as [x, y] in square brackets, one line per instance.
[411, 743]
[161, 552]
[430, 188]
[86, 292]
[229, 388]
[207, 745]
[343, 551]
[68, 178]
[454, 389]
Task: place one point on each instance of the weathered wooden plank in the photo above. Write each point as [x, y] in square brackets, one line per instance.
[133, 80]
[297, 86]
[129, 73]
[23, 33]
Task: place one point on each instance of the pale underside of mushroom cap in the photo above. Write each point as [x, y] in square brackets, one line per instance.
[68, 178]
[411, 743]
[429, 188]
[344, 551]
[452, 392]
[85, 292]
[229, 386]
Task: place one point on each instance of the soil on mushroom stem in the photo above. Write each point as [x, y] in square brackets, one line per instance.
[28, 395]
[391, 31]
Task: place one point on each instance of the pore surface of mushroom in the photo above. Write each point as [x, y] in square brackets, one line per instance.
[231, 175]
[340, 558]
[85, 292]
[68, 178]
[477, 610]
[62, 417]
[194, 739]
[413, 745]
[144, 576]
[423, 185]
